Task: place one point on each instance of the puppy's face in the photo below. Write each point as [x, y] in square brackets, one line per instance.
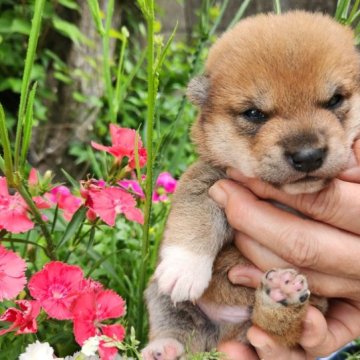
[280, 100]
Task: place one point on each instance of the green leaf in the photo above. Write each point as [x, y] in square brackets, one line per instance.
[70, 4]
[29, 62]
[74, 183]
[28, 124]
[20, 26]
[71, 31]
[73, 226]
[96, 15]
[62, 77]
[5, 142]
[161, 58]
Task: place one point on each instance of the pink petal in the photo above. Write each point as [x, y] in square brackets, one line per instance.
[83, 329]
[33, 178]
[115, 332]
[106, 352]
[134, 214]
[166, 181]
[15, 221]
[56, 287]
[109, 305]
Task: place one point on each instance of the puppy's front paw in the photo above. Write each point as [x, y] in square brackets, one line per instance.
[182, 274]
[285, 286]
[163, 349]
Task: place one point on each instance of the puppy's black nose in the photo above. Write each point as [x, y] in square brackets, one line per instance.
[307, 159]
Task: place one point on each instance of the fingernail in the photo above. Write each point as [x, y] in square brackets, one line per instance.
[236, 175]
[218, 194]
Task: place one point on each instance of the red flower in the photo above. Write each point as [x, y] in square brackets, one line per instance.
[123, 144]
[14, 215]
[117, 333]
[65, 200]
[108, 202]
[23, 320]
[56, 286]
[90, 309]
[12, 274]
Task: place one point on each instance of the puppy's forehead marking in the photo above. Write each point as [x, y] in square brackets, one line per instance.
[292, 51]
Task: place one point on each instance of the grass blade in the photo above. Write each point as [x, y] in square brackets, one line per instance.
[5, 142]
[29, 62]
[28, 124]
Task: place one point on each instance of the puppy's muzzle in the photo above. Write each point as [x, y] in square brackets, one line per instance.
[306, 159]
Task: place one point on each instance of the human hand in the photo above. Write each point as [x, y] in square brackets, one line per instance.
[304, 243]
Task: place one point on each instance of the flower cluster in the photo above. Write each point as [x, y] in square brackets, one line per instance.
[60, 291]
[103, 200]
[63, 292]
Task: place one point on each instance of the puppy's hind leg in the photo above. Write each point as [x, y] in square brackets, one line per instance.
[175, 329]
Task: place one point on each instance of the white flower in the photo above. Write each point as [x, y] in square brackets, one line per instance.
[38, 351]
[81, 356]
[91, 346]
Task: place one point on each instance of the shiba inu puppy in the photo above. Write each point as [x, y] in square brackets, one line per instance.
[279, 100]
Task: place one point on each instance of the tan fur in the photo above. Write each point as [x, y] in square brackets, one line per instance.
[288, 67]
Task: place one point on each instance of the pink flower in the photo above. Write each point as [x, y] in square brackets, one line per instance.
[56, 286]
[33, 179]
[117, 333]
[90, 309]
[23, 320]
[12, 274]
[14, 215]
[65, 200]
[133, 186]
[108, 202]
[123, 144]
[165, 184]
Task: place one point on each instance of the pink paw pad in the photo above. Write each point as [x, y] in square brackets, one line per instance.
[163, 349]
[286, 286]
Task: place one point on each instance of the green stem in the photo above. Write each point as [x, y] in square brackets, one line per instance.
[23, 241]
[151, 79]
[29, 61]
[277, 7]
[106, 60]
[50, 249]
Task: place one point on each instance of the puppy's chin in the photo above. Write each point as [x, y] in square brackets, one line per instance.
[305, 186]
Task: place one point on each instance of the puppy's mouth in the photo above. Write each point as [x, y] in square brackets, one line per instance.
[306, 179]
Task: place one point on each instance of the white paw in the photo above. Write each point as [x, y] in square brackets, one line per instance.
[163, 349]
[182, 274]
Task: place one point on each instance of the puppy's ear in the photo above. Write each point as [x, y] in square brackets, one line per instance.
[198, 90]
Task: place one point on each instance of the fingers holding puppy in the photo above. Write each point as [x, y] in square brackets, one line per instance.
[303, 243]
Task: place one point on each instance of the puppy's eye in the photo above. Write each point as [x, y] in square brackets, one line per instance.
[255, 115]
[334, 102]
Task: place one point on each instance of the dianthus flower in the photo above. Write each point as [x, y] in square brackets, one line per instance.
[14, 216]
[89, 310]
[107, 202]
[12, 274]
[24, 319]
[133, 186]
[37, 351]
[165, 184]
[123, 145]
[56, 287]
[65, 200]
